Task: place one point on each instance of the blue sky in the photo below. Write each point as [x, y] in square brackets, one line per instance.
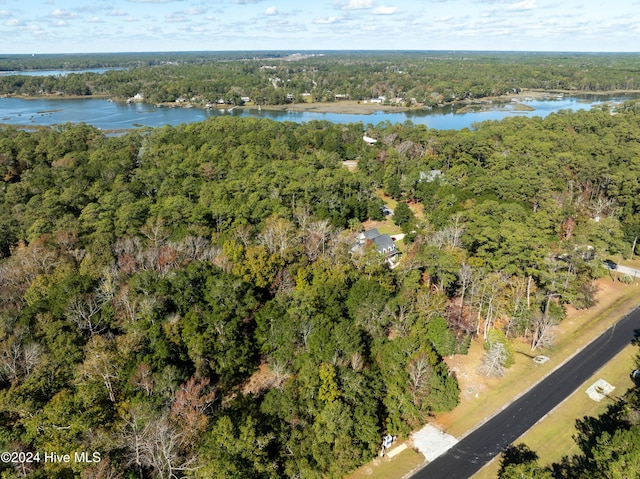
[66, 26]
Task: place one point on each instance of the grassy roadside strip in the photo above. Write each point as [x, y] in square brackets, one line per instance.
[385, 468]
[552, 437]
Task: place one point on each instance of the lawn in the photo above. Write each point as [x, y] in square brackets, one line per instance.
[382, 468]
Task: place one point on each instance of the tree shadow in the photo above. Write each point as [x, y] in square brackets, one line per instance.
[516, 454]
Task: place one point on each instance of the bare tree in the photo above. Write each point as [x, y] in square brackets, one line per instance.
[419, 370]
[338, 248]
[108, 287]
[303, 216]
[602, 205]
[495, 360]
[36, 259]
[283, 281]
[244, 234]
[103, 361]
[490, 302]
[156, 231]
[143, 379]
[160, 450]
[195, 248]
[278, 235]
[133, 437]
[127, 305]
[315, 236]
[280, 373]
[129, 245]
[465, 276]
[18, 357]
[430, 303]
[516, 292]
[306, 328]
[450, 237]
[401, 315]
[10, 359]
[85, 312]
[543, 327]
[32, 353]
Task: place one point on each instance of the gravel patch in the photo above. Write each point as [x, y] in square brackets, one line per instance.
[599, 390]
[432, 442]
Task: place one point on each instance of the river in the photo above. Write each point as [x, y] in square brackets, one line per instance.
[109, 115]
[56, 73]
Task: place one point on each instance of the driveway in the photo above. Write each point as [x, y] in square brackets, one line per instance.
[622, 269]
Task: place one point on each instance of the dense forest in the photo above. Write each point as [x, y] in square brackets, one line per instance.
[188, 301]
[609, 446]
[414, 78]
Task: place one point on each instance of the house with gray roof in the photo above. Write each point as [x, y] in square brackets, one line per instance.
[382, 242]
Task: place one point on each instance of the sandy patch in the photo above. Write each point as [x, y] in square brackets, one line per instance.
[465, 367]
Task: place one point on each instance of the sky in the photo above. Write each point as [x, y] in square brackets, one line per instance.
[85, 26]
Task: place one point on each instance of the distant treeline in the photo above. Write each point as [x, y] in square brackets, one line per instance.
[429, 78]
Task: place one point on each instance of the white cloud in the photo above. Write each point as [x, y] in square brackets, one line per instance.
[385, 10]
[271, 11]
[523, 5]
[326, 21]
[60, 23]
[358, 5]
[194, 11]
[14, 22]
[4, 13]
[95, 20]
[245, 2]
[193, 28]
[34, 29]
[62, 14]
[117, 13]
[444, 19]
[173, 18]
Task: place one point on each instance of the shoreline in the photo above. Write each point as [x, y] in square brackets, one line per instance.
[515, 102]
[464, 106]
[56, 97]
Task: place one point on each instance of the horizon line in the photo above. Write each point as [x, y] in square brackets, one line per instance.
[395, 50]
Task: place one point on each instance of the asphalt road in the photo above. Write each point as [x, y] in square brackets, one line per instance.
[484, 443]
